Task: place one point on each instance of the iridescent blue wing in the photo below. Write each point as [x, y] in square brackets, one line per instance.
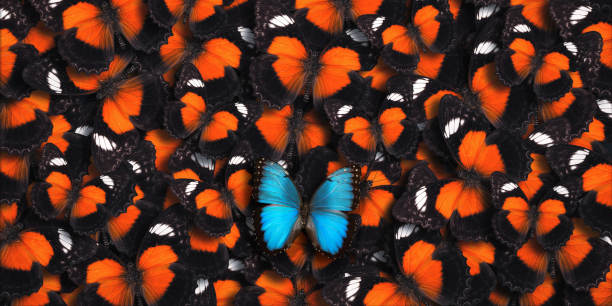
[328, 223]
[281, 205]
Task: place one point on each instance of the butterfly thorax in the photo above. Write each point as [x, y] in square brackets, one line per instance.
[193, 47]
[73, 194]
[108, 13]
[406, 286]
[10, 233]
[345, 7]
[296, 124]
[304, 214]
[470, 177]
[364, 188]
[311, 67]
[133, 275]
[108, 88]
[299, 299]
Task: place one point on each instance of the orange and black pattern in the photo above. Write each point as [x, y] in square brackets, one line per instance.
[477, 135]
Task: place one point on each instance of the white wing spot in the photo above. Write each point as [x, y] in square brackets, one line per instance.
[507, 187]
[418, 86]
[352, 288]
[562, 190]
[104, 143]
[57, 162]
[162, 229]
[605, 106]
[521, 28]
[54, 82]
[202, 285]
[377, 23]
[247, 35]
[405, 231]
[135, 166]
[395, 97]
[235, 265]
[577, 158]
[486, 11]
[280, 21]
[203, 161]
[191, 186]
[4, 14]
[420, 198]
[108, 181]
[342, 111]
[237, 160]
[65, 240]
[452, 126]
[358, 36]
[195, 83]
[541, 139]
[486, 47]
[54, 3]
[84, 130]
[242, 109]
[571, 47]
[579, 14]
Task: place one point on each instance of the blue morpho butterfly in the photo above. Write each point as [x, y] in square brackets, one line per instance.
[325, 218]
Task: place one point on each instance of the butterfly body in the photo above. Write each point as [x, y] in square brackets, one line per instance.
[324, 217]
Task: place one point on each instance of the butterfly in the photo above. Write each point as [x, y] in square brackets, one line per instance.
[283, 213]
[17, 17]
[219, 57]
[218, 124]
[127, 102]
[164, 146]
[546, 217]
[63, 192]
[41, 38]
[582, 261]
[14, 56]
[213, 189]
[301, 255]
[47, 294]
[597, 132]
[529, 53]
[480, 258]
[535, 12]
[430, 29]
[591, 170]
[24, 123]
[429, 271]
[464, 201]
[14, 175]
[155, 276]
[504, 106]
[363, 134]
[106, 19]
[598, 295]
[220, 290]
[377, 196]
[292, 65]
[270, 288]
[550, 292]
[202, 16]
[378, 77]
[127, 228]
[29, 248]
[288, 130]
[424, 94]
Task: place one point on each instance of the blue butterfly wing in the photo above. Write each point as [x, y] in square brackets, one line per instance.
[281, 202]
[330, 205]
